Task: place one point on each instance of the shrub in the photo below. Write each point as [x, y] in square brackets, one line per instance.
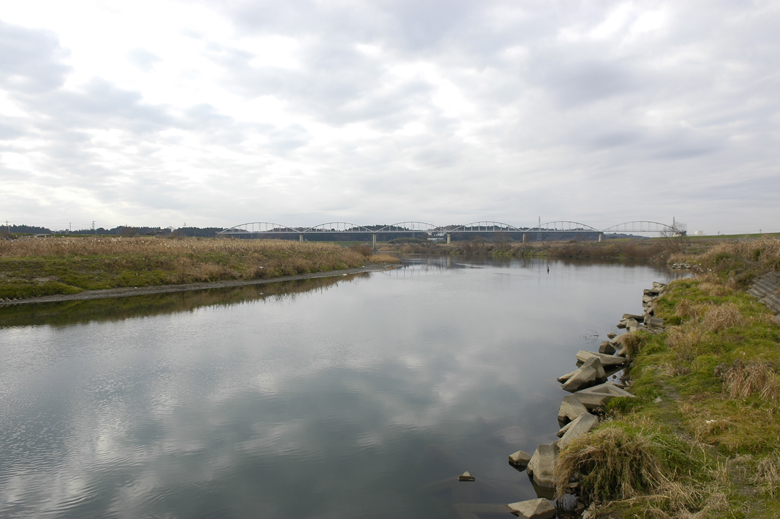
[363, 250]
[721, 317]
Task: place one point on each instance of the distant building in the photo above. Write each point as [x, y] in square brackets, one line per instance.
[699, 233]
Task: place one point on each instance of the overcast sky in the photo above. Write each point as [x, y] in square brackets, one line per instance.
[303, 112]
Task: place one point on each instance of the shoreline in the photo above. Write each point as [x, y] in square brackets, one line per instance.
[110, 293]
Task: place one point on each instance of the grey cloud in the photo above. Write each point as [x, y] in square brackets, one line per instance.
[586, 80]
[10, 129]
[337, 83]
[103, 105]
[289, 138]
[143, 59]
[30, 60]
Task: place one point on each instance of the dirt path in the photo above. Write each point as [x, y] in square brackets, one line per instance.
[165, 289]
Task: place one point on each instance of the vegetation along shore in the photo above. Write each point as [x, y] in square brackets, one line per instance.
[35, 267]
[698, 433]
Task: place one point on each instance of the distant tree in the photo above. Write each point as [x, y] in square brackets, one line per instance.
[128, 232]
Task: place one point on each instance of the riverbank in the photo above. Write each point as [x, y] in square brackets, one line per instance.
[111, 293]
[100, 267]
[658, 249]
[621, 249]
[700, 438]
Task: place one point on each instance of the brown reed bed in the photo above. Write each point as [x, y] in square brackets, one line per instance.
[35, 267]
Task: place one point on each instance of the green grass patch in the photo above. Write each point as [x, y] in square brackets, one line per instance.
[710, 446]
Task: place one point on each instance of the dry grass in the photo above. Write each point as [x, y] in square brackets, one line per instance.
[631, 342]
[767, 476]
[383, 258]
[644, 474]
[99, 262]
[685, 308]
[612, 465]
[739, 262]
[714, 289]
[684, 340]
[721, 317]
[753, 379]
[154, 245]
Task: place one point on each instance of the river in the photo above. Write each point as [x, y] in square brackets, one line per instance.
[351, 397]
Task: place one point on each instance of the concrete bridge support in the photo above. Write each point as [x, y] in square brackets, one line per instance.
[373, 238]
[601, 235]
[523, 237]
[448, 238]
[300, 237]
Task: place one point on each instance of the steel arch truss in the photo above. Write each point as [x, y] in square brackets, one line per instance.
[407, 227]
[643, 226]
[336, 228]
[564, 226]
[484, 226]
[246, 229]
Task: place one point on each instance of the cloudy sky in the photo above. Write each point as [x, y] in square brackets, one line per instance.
[303, 112]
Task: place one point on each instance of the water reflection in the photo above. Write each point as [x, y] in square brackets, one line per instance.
[73, 312]
[365, 399]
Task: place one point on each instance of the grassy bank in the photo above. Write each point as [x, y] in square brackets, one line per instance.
[35, 267]
[703, 438]
[621, 249]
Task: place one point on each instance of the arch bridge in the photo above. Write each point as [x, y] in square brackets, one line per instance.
[266, 229]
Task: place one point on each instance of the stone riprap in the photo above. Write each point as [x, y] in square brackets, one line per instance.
[607, 348]
[606, 360]
[466, 476]
[598, 396]
[577, 428]
[571, 409]
[590, 374]
[590, 392]
[542, 465]
[533, 509]
[519, 459]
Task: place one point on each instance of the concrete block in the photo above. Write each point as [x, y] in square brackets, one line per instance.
[533, 509]
[563, 378]
[542, 466]
[607, 348]
[598, 396]
[578, 427]
[466, 476]
[606, 360]
[589, 374]
[571, 408]
[519, 459]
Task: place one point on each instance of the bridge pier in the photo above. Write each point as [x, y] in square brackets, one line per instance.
[373, 238]
[523, 237]
[448, 238]
[300, 237]
[601, 234]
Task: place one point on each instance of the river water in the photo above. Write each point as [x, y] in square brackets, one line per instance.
[352, 397]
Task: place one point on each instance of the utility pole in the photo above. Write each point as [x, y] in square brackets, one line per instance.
[93, 228]
[539, 230]
[70, 227]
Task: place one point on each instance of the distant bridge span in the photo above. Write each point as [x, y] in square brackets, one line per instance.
[261, 229]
